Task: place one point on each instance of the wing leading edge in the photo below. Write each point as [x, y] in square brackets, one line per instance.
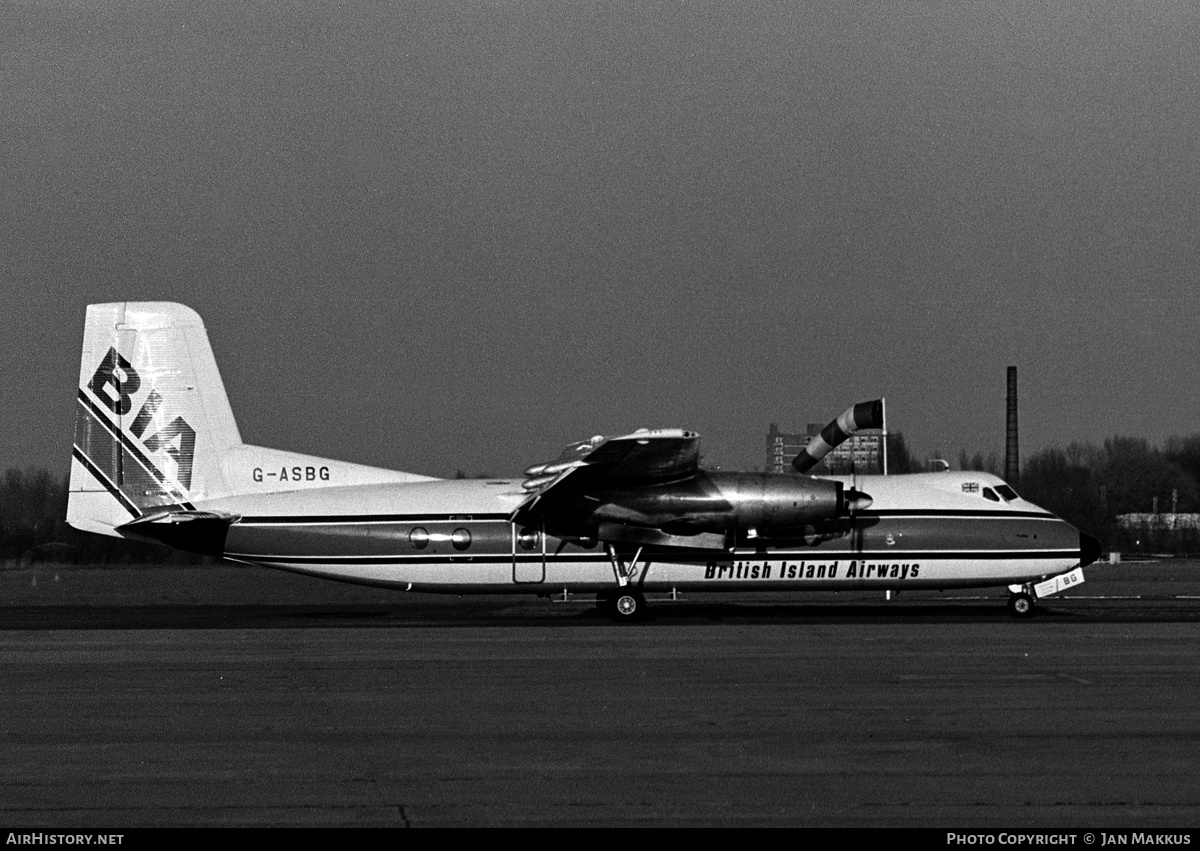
[646, 457]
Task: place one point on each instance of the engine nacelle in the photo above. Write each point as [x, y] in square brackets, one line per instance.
[744, 504]
[772, 502]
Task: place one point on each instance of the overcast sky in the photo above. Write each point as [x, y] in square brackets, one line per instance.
[454, 235]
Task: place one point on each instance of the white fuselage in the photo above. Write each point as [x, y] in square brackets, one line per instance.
[921, 531]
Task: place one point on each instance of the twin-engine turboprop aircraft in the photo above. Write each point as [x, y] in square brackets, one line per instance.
[158, 456]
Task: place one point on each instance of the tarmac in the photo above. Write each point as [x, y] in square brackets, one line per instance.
[220, 695]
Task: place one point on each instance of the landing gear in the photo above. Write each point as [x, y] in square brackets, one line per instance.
[625, 572]
[1021, 604]
[625, 604]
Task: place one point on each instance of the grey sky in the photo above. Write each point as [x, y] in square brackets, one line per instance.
[460, 235]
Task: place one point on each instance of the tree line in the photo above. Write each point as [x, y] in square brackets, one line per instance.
[33, 528]
[1092, 486]
[1089, 486]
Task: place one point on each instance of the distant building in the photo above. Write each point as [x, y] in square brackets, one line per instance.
[861, 453]
[782, 447]
[1167, 532]
[1164, 522]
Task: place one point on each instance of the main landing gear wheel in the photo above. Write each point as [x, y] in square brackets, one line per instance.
[624, 606]
[1021, 604]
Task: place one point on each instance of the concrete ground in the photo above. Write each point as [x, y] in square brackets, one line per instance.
[221, 695]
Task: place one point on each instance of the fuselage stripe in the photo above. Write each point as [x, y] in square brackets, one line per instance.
[977, 513]
[702, 556]
[347, 519]
[343, 519]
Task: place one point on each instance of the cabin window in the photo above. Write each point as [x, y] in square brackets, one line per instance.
[419, 538]
[991, 494]
[461, 539]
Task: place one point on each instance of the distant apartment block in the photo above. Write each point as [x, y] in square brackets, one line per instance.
[861, 453]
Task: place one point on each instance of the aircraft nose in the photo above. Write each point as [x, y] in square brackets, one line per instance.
[1089, 549]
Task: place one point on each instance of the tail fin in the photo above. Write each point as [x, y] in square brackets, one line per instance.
[154, 432]
[153, 420]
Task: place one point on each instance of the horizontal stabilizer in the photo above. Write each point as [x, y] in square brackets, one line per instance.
[192, 531]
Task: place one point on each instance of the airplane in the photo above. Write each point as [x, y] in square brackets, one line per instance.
[158, 457]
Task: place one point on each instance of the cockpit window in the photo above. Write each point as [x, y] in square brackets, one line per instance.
[1008, 493]
[991, 494]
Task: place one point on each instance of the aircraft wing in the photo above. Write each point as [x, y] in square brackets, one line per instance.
[647, 488]
[642, 458]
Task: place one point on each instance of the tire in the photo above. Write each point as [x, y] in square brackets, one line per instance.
[1021, 605]
[628, 606]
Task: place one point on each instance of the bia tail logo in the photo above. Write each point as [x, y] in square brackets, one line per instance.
[114, 384]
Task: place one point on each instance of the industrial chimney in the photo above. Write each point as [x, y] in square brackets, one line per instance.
[1012, 459]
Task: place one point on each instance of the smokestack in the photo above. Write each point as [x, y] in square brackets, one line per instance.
[1012, 458]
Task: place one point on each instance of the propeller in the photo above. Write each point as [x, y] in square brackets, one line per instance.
[849, 422]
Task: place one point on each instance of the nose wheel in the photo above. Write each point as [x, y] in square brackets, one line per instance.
[1021, 604]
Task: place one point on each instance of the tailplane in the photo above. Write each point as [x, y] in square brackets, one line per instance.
[154, 431]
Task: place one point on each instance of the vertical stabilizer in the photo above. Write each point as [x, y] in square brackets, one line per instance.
[153, 421]
[154, 431]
